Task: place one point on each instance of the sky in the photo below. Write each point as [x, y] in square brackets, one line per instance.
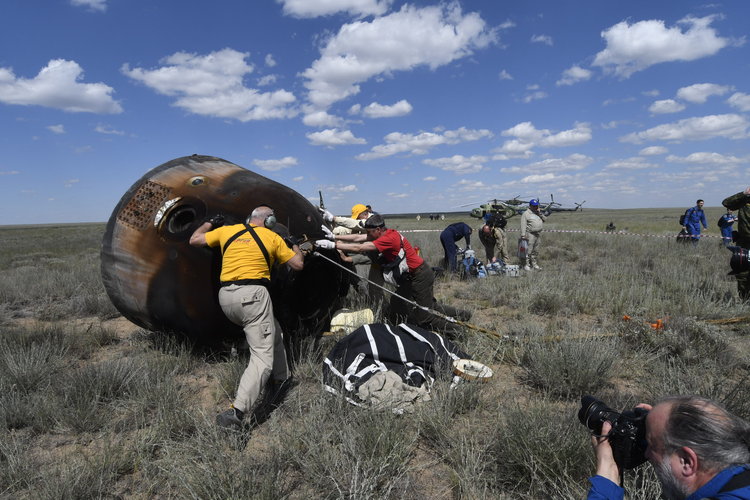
[413, 107]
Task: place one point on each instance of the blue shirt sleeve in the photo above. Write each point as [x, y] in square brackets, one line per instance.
[604, 489]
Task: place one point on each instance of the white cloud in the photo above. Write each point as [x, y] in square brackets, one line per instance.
[56, 129]
[650, 93]
[666, 106]
[730, 126]
[71, 182]
[98, 5]
[573, 162]
[740, 101]
[458, 164]
[430, 178]
[276, 165]
[212, 85]
[573, 75]
[706, 158]
[545, 39]
[357, 52]
[270, 61]
[653, 151]
[10, 172]
[528, 136]
[106, 129]
[58, 86]
[334, 137]
[321, 119]
[421, 143]
[267, 80]
[534, 96]
[529, 179]
[397, 195]
[634, 163]
[504, 75]
[310, 8]
[376, 110]
[700, 92]
[632, 48]
[298, 178]
[467, 185]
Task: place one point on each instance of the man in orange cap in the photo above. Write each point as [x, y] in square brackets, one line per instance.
[348, 225]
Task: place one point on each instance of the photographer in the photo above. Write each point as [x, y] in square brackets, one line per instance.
[697, 448]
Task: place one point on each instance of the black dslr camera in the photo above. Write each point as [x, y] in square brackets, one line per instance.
[628, 434]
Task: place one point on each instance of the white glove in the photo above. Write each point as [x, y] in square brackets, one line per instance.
[327, 216]
[327, 244]
[328, 233]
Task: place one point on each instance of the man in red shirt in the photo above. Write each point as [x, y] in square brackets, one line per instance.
[415, 282]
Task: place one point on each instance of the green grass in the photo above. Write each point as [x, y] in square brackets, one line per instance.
[88, 410]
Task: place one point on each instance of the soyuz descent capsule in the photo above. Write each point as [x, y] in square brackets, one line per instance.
[159, 282]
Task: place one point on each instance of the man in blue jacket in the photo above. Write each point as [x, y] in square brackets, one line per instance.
[694, 217]
[726, 222]
[697, 448]
[448, 239]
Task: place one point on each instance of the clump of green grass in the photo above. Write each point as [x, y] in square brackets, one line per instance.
[348, 452]
[568, 363]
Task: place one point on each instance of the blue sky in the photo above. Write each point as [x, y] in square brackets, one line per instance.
[407, 106]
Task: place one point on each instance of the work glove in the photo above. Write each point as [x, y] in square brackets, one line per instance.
[327, 216]
[328, 233]
[216, 221]
[327, 244]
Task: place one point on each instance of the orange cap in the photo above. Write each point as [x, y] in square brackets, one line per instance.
[357, 210]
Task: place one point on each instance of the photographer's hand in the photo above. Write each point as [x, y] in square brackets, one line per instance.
[605, 461]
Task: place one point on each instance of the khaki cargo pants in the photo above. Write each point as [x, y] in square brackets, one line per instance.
[250, 307]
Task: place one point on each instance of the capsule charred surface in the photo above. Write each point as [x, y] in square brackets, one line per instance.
[159, 282]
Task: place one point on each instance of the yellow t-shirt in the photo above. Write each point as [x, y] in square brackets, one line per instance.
[243, 259]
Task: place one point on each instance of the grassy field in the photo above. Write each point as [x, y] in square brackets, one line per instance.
[94, 407]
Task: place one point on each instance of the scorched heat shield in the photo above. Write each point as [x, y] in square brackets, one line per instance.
[158, 281]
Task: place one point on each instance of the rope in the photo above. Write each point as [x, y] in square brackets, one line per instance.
[582, 231]
[424, 308]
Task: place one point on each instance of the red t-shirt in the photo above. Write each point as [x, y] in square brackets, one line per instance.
[389, 244]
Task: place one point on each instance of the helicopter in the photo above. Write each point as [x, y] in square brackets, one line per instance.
[517, 205]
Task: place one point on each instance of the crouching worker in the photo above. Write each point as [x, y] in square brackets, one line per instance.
[403, 268]
[249, 251]
[697, 448]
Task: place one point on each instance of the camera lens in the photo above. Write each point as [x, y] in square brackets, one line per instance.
[593, 413]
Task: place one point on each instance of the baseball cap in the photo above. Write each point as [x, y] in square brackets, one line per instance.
[357, 210]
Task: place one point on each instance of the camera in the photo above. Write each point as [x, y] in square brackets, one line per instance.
[628, 434]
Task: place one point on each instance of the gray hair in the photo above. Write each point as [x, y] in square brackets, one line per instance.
[259, 214]
[719, 438]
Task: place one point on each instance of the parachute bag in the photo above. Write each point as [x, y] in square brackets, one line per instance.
[523, 248]
[683, 217]
[394, 272]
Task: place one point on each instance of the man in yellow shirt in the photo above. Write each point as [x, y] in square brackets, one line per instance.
[249, 251]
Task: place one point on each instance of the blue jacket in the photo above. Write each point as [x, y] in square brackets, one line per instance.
[456, 231]
[604, 489]
[695, 216]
